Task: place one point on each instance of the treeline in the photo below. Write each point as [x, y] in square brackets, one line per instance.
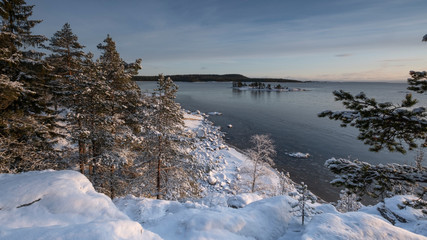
[67, 110]
[213, 77]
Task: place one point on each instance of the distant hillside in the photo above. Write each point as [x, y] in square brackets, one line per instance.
[213, 77]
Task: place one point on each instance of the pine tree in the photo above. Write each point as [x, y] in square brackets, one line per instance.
[25, 116]
[383, 125]
[125, 94]
[170, 168]
[302, 208]
[418, 80]
[376, 181]
[66, 59]
[114, 69]
[348, 202]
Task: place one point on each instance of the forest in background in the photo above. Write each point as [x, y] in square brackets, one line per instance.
[213, 77]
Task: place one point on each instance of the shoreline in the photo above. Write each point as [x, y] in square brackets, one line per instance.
[229, 164]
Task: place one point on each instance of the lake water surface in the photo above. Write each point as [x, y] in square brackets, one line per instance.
[291, 120]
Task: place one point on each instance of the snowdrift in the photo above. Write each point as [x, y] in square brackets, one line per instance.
[270, 218]
[60, 205]
[265, 219]
[354, 225]
[64, 205]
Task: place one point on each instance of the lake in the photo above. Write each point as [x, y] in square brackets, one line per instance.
[291, 120]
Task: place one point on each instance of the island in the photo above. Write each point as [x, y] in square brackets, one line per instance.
[260, 86]
[213, 78]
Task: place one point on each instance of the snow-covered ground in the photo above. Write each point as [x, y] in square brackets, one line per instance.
[227, 170]
[60, 205]
[64, 205]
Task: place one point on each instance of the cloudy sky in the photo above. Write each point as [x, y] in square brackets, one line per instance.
[345, 40]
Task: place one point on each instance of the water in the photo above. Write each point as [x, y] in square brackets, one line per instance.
[291, 120]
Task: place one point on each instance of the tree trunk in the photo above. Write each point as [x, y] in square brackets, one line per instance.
[254, 176]
[82, 153]
[112, 193]
[303, 207]
[159, 164]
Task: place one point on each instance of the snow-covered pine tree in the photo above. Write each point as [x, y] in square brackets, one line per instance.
[418, 80]
[261, 154]
[169, 167]
[124, 110]
[66, 59]
[376, 181]
[383, 125]
[125, 94]
[302, 208]
[25, 117]
[348, 202]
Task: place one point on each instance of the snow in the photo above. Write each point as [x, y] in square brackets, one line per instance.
[258, 215]
[416, 221]
[225, 174]
[265, 219]
[215, 113]
[299, 155]
[192, 121]
[64, 205]
[353, 225]
[242, 200]
[60, 205]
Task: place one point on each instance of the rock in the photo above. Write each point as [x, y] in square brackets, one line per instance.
[242, 200]
[212, 180]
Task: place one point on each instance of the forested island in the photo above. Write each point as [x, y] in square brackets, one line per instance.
[212, 78]
[265, 87]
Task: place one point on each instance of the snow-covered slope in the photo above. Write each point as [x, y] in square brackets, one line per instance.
[228, 171]
[270, 218]
[265, 219]
[60, 205]
[353, 225]
[258, 218]
[64, 205]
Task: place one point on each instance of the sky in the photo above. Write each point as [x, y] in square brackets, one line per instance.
[321, 40]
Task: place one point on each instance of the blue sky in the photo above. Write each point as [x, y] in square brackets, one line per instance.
[344, 40]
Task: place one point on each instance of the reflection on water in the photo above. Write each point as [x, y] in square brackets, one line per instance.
[291, 120]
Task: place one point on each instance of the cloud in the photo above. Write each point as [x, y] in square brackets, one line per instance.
[343, 55]
[401, 60]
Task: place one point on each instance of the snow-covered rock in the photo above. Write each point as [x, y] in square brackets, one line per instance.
[241, 200]
[215, 113]
[299, 155]
[405, 217]
[212, 180]
[60, 205]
